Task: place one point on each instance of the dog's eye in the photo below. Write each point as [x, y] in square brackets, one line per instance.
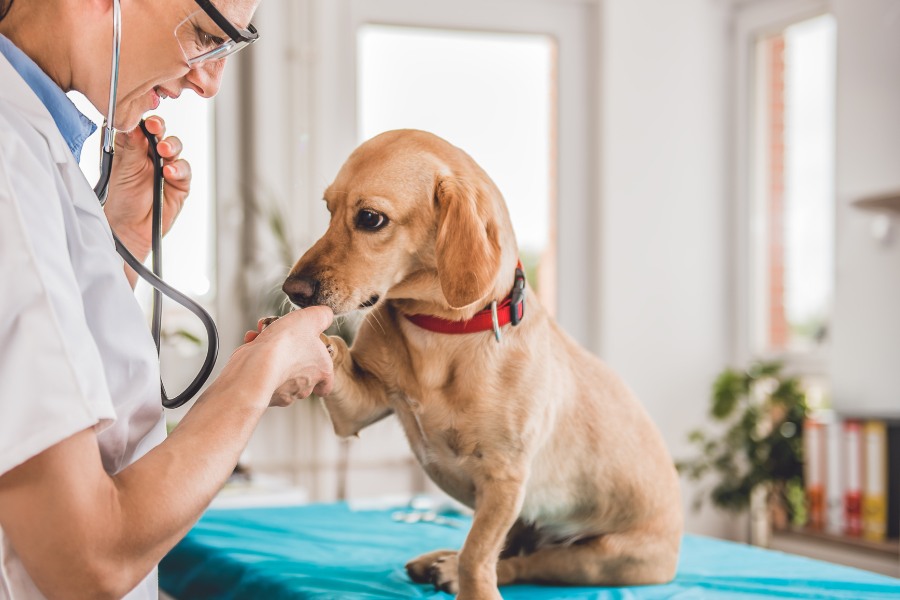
[370, 220]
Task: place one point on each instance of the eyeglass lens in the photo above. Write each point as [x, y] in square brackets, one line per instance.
[200, 37]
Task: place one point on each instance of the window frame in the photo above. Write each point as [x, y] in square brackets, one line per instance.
[751, 21]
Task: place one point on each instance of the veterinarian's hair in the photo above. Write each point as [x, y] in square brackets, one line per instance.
[5, 5]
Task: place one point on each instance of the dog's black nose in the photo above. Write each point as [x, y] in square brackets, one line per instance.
[301, 290]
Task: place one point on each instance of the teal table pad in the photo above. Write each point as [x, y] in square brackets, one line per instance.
[331, 551]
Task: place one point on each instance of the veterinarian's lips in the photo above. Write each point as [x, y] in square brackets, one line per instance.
[158, 94]
[154, 98]
[370, 302]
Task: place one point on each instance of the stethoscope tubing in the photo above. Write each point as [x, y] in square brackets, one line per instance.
[154, 277]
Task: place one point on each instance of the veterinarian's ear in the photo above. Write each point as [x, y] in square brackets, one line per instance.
[467, 246]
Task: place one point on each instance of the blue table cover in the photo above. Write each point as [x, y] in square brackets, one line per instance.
[332, 551]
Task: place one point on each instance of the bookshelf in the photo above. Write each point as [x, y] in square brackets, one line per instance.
[865, 497]
[890, 548]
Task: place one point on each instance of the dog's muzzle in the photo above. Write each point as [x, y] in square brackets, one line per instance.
[302, 291]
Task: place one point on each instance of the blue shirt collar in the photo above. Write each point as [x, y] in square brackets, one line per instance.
[74, 126]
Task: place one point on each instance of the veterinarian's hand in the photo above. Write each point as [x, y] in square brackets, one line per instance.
[309, 365]
[130, 202]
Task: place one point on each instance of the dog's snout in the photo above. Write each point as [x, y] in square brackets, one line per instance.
[301, 290]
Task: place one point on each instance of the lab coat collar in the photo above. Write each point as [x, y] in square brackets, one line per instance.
[18, 94]
[74, 126]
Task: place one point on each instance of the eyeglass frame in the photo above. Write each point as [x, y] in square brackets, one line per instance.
[238, 35]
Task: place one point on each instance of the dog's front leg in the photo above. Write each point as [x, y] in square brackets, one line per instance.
[498, 502]
[358, 398]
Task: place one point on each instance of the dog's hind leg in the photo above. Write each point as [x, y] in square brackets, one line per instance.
[628, 558]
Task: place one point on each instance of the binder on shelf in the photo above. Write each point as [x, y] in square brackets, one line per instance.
[814, 471]
[874, 499]
[853, 457]
[834, 483]
[893, 489]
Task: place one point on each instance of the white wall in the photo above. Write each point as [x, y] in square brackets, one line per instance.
[665, 152]
[866, 332]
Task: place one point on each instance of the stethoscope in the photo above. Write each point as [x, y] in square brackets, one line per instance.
[154, 277]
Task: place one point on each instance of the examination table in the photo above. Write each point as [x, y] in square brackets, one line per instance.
[335, 551]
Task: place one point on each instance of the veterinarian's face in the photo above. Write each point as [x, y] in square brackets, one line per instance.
[153, 64]
[382, 214]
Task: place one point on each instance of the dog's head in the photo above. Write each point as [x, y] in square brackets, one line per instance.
[412, 217]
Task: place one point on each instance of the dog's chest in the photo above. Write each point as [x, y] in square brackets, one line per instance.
[432, 408]
[436, 429]
[445, 452]
[441, 397]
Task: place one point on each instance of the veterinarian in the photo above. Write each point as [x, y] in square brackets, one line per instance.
[92, 493]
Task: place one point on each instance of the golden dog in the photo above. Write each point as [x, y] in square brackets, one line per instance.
[569, 478]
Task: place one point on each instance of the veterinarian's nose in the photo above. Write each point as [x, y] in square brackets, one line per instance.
[301, 290]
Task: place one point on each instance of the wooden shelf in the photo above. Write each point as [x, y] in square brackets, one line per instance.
[882, 202]
[878, 557]
[889, 547]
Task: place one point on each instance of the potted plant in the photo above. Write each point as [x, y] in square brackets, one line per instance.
[755, 449]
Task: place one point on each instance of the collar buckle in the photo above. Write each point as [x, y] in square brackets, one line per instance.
[495, 321]
[517, 297]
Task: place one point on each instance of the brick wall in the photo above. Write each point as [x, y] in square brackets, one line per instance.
[778, 327]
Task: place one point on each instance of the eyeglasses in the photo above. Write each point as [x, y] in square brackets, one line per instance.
[206, 35]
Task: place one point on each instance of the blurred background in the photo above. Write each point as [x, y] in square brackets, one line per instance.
[696, 185]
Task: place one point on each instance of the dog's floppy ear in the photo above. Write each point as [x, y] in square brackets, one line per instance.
[467, 246]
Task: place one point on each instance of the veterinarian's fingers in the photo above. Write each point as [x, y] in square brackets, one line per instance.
[155, 125]
[170, 147]
[324, 387]
[178, 173]
[320, 317]
[131, 150]
[281, 399]
[291, 391]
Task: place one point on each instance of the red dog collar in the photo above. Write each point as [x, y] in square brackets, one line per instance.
[493, 317]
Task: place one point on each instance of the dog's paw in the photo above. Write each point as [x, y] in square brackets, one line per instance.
[445, 573]
[336, 346]
[328, 345]
[434, 566]
[263, 323]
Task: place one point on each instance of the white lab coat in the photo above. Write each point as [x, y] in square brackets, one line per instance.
[75, 350]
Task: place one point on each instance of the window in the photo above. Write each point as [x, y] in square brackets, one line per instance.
[792, 205]
[489, 93]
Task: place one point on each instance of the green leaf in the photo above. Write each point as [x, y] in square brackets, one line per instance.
[727, 391]
[764, 369]
[184, 333]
